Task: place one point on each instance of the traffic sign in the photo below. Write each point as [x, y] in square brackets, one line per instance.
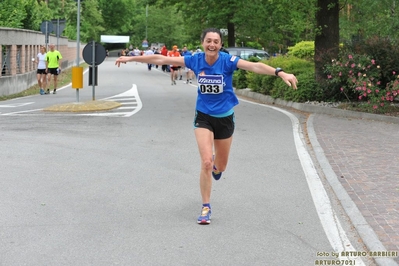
[46, 27]
[99, 55]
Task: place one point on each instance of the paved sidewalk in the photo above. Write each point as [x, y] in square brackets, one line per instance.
[359, 155]
[364, 155]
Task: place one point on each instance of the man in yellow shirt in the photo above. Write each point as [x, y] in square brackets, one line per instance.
[53, 65]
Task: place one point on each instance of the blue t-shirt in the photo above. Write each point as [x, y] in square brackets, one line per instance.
[215, 83]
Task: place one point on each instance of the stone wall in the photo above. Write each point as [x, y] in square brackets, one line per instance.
[18, 47]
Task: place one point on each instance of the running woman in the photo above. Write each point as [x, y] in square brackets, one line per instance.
[213, 123]
[41, 72]
[174, 69]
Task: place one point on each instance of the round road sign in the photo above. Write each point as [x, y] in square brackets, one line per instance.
[99, 55]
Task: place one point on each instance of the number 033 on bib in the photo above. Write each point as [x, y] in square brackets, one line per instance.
[210, 84]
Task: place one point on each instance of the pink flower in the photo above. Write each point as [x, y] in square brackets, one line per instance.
[360, 97]
[368, 91]
[373, 61]
[340, 73]
[342, 89]
[382, 104]
[359, 74]
[378, 82]
[353, 65]
[393, 73]
[350, 56]
[377, 91]
[329, 76]
[364, 94]
[383, 98]
[375, 106]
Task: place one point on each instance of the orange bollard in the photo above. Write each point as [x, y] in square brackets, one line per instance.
[77, 77]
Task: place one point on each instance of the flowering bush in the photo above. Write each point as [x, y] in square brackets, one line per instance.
[359, 79]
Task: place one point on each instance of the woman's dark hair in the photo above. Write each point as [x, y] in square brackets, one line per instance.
[204, 32]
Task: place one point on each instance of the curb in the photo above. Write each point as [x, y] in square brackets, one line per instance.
[316, 109]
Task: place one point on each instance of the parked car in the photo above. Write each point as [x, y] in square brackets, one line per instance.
[246, 52]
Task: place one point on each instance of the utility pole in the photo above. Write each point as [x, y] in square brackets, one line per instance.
[146, 22]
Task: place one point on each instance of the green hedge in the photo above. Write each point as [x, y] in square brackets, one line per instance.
[308, 89]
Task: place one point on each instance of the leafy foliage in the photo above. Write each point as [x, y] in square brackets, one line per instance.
[308, 89]
[361, 78]
[12, 13]
[304, 49]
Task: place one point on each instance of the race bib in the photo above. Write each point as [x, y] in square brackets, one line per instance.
[210, 84]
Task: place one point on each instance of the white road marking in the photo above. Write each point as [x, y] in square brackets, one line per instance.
[331, 225]
[132, 95]
[130, 100]
[14, 105]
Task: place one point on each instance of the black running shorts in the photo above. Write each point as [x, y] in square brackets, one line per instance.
[41, 71]
[53, 71]
[222, 127]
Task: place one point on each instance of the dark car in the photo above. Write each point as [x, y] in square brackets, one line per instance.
[246, 52]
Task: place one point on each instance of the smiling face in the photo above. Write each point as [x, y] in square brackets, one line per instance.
[211, 42]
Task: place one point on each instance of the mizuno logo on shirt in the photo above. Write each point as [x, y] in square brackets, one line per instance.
[209, 81]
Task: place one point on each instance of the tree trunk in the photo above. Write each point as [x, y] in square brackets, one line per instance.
[231, 38]
[327, 37]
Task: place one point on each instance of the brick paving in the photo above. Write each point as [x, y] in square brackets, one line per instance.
[364, 155]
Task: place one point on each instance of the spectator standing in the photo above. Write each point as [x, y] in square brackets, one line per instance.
[149, 52]
[156, 51]
[164, 52]
[53, 65]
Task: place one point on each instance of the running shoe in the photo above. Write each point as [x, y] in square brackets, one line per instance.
[205, 217]
[216, 174]
[55, 91]
[41, 91]
[174, 82]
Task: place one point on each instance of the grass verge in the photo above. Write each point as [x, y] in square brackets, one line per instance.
[63, 79]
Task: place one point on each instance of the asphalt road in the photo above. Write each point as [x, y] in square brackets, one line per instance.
[121, 187]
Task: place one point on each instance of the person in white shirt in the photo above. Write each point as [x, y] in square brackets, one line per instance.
[41, 72]
[149, 52]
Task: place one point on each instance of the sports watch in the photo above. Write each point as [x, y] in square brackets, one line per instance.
[278, 70]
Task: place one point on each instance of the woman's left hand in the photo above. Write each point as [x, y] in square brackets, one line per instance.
[289, 79]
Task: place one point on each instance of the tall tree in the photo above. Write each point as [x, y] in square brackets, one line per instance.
[12, 13]
[327, 34]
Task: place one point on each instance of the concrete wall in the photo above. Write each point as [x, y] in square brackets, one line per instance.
[18, 47]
